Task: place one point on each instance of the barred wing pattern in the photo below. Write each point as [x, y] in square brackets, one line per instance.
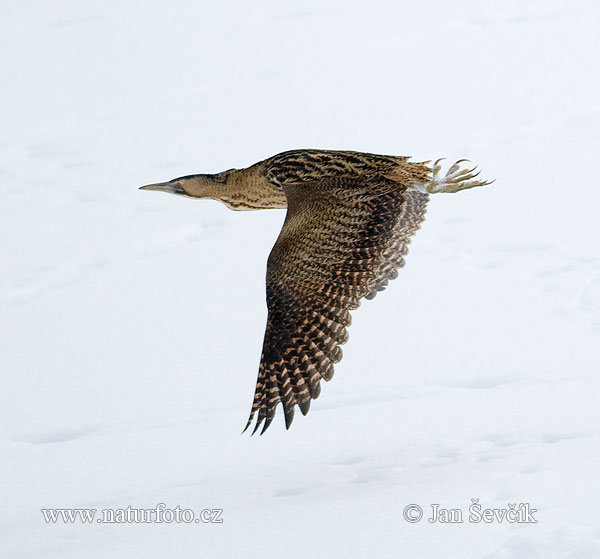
[342, 240]
[412, 214]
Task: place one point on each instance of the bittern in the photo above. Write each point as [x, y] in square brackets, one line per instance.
[349, 220]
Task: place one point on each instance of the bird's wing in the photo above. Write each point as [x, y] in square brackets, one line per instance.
[342, 239]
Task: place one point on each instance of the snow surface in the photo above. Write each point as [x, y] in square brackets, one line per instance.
[131, 322]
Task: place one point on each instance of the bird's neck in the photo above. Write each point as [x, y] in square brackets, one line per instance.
[242, 189]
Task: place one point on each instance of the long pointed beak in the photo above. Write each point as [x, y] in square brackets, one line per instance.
[170, 187]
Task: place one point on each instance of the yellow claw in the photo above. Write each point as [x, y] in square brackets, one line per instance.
[464, 176]
[437, 167]
[456, 166]
[466, 171]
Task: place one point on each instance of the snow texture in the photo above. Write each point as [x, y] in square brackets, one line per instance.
[131, 322]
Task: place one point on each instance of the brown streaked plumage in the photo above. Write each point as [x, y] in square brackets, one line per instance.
[349, 220]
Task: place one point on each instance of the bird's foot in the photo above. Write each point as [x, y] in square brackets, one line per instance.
[454, 180]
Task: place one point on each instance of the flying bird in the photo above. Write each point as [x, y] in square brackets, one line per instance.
[349, 220]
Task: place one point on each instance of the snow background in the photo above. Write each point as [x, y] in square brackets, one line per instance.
[131, 322]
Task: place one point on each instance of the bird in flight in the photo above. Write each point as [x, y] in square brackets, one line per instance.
[349, 220]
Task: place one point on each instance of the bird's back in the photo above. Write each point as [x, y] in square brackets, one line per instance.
[309, 165]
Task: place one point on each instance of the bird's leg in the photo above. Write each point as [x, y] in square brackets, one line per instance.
[454, 180]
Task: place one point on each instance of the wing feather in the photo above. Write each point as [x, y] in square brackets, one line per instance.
[343, 239]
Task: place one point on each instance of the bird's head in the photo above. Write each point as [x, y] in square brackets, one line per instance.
[194, 186]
